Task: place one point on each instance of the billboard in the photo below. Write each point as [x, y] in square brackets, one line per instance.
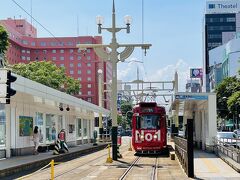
[196, 73]
[228, 6]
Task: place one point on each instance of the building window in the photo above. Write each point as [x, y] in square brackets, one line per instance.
[88, 50]
[71, 50]
[23, 57]
[54, 51]
[28, 58]
[79, 72]
[44, 51]
[25, 42]
[61, 44]
[23, 51]
[80, 93]
[54, 58]
[70, 43]
[36, 51]
[33, 43]
[61, 51]
[89, 99]
[89, 85]
[44, 58]
[53, 43]
[71, 57]
[42, 43]
[88, 71]
[28, 52]
[36, 58]
[79, 127]
[89, 92]
[79, 78]
[79, 57]
[62, 58]
[89, 64]
[71, 65]
[89, 79]
[88, 57]
[71, 72]
[79, 51]
[61, 65]
[79, 64]
[232, 19]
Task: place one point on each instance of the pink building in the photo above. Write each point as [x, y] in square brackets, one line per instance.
[26, 47]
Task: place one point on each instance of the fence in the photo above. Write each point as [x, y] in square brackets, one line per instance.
[229, 147]
[184, 149]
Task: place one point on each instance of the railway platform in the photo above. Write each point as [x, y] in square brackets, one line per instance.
[20, 165]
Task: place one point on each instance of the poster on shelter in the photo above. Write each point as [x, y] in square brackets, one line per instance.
[25, 125]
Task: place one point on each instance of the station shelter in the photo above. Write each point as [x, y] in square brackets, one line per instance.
[51, 110]
[199, 107]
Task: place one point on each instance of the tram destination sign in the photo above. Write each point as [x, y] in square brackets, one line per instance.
[191, 97]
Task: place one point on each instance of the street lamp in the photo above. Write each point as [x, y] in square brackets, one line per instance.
[100, 72]
[114, 57]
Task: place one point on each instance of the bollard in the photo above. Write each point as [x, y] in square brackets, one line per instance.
[109, 159]
[130, 145]
[52, 169]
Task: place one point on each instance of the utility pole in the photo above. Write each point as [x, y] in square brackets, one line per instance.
[114, 57]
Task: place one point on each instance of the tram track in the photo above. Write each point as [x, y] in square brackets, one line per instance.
[134, 164]
[88, 163]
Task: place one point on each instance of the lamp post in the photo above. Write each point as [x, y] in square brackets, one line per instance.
[114, 57]
[100, 72]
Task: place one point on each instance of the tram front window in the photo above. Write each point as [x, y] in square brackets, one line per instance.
[148, 122]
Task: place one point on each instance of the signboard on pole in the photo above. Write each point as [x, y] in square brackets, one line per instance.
[191, 97]
[196, 73]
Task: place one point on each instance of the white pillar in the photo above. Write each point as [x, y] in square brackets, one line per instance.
[212, 119]
[203, 130]
[8, 130]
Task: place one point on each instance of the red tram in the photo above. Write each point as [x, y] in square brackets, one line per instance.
[149, 132]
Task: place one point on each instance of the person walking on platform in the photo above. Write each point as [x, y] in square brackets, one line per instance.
[36, 139]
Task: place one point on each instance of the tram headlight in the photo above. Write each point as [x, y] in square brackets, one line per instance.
[142, 137]
[155, 136]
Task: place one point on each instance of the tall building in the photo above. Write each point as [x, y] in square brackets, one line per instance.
[25, 47]
[221, 22]
[224, 61]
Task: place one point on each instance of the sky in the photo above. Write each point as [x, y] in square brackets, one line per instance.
[173, 27]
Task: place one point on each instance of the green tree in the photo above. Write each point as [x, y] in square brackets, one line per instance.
[49, 74]
[227, 97]
[124, 120]
[3, 40]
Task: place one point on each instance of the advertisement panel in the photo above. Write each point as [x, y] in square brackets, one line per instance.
[230, 6]
[196, 73]
[25, 125]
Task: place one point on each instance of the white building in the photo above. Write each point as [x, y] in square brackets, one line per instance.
[38, 105]
[224, 61]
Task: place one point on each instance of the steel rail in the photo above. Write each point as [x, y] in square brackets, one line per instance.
[129, 168]
[154, 171]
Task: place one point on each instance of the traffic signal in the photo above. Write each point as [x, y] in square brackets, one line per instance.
[5, 83]
[10, 79]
